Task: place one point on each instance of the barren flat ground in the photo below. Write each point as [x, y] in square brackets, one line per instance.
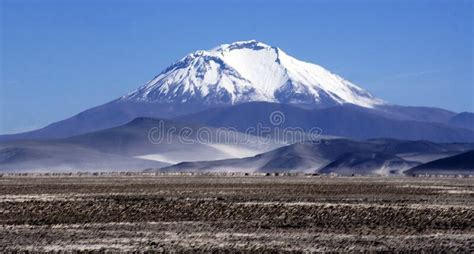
[236, 214]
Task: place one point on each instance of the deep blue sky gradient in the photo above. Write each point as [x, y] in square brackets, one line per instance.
[61, 57]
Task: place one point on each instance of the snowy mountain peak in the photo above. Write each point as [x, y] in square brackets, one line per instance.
[251, 44]
[248, 71]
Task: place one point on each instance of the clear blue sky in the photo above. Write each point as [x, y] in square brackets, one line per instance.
[61, 57]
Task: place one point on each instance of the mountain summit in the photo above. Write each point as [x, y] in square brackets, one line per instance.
[241, 84]
[249, 71]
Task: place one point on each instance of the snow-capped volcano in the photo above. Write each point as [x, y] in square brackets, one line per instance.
[249, 71]
[255, 80]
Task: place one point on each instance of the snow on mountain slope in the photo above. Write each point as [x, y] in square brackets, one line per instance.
[214, 151]
[249, 71]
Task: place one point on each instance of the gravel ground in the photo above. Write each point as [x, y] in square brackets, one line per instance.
[236, 214]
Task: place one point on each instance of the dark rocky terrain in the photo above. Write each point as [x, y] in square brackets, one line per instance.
[337, 155]
[233, 214]
[458, 164]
